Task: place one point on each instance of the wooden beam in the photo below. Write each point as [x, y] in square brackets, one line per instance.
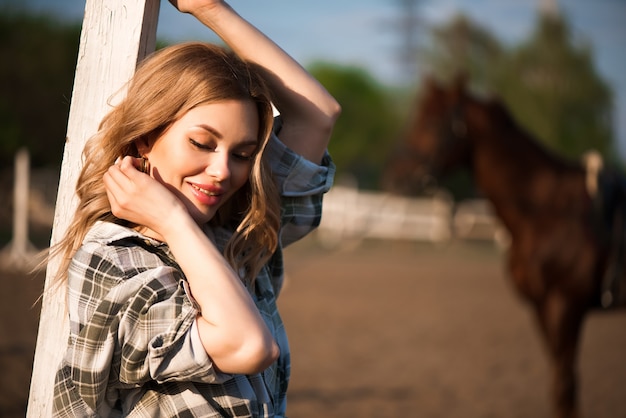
[115, 36]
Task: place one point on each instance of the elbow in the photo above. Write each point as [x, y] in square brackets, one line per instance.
[325, 123]
[267, 358]
[247, 351]
[333, 113]
[324, 117]
[258, 356]
[337, 110]
[265, 354]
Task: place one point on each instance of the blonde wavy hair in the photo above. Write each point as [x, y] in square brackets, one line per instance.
[166, 86]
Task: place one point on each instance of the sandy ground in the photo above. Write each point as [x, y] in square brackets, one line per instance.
[407, 330]
[390, 329]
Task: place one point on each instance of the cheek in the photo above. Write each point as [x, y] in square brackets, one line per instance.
[240, 174]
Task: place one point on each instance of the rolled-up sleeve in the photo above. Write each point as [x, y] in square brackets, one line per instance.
[139, 329]
[301, 184]
[158, 335]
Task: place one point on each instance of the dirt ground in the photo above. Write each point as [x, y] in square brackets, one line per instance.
[390, 329]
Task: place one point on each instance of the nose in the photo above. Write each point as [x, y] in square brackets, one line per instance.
[219, 166]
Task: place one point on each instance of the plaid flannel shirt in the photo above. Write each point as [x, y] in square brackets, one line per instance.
[134, 349]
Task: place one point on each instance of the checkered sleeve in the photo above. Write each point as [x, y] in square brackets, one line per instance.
[131, 315]
[301, 184]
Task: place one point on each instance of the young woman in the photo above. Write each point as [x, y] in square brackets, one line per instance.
[173, 261]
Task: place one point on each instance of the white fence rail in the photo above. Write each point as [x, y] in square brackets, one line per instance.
[351, 214]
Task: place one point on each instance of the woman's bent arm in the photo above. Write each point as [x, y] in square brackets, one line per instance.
[231, 328]
[308, 111]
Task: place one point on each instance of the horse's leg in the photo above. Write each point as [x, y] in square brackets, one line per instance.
[561, 322]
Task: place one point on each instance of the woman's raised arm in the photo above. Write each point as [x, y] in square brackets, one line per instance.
[308, 111]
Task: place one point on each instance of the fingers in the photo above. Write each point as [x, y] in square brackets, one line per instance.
[128, 163]
[122, 183]
[130, 167]
[116, 176]
[113, 181]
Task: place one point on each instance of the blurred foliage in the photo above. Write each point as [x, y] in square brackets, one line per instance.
[36, 78]
[559, 95]
[462, 47]
[37, 85]
[368, 126]
[548, 82]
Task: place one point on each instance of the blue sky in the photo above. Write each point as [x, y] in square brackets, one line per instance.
[361, 32]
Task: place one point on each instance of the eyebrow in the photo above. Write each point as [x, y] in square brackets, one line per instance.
[209, 129]
[215, 132]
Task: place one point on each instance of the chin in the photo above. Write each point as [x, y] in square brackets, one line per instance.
[201, 217]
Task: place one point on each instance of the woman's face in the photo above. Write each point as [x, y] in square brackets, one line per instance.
[205, 157]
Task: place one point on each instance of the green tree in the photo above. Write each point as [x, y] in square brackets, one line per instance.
[463, 47]
[36, 78]
[548, 82]
[551, 85]
[368, 126]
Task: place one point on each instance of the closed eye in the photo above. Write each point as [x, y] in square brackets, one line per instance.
[201, 146]
[246, 151]
[244, 156]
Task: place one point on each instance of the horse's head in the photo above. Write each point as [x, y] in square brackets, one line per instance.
[435, 143]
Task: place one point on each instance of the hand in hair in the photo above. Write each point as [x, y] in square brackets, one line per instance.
[231, 329]
[138, 198]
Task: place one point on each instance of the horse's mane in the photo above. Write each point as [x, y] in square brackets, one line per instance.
[505, 121]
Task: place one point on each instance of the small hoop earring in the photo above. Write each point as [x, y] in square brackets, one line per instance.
[145, 165]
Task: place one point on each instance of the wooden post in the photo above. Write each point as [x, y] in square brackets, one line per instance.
[116, 35]
[20, 244]
[19, 252]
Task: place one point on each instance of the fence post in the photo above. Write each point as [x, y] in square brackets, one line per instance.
[19, 252]
[115, 35]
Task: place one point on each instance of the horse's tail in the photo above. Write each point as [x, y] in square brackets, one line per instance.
[611, 198]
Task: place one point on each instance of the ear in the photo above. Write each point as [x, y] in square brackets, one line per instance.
[143, 146]
[459, 84]
[460, 80]
[429, 81]
[430, 87]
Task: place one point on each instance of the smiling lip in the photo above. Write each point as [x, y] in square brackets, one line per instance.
[207, 194]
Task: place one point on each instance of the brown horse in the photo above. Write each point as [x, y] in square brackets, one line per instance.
[566, 249]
